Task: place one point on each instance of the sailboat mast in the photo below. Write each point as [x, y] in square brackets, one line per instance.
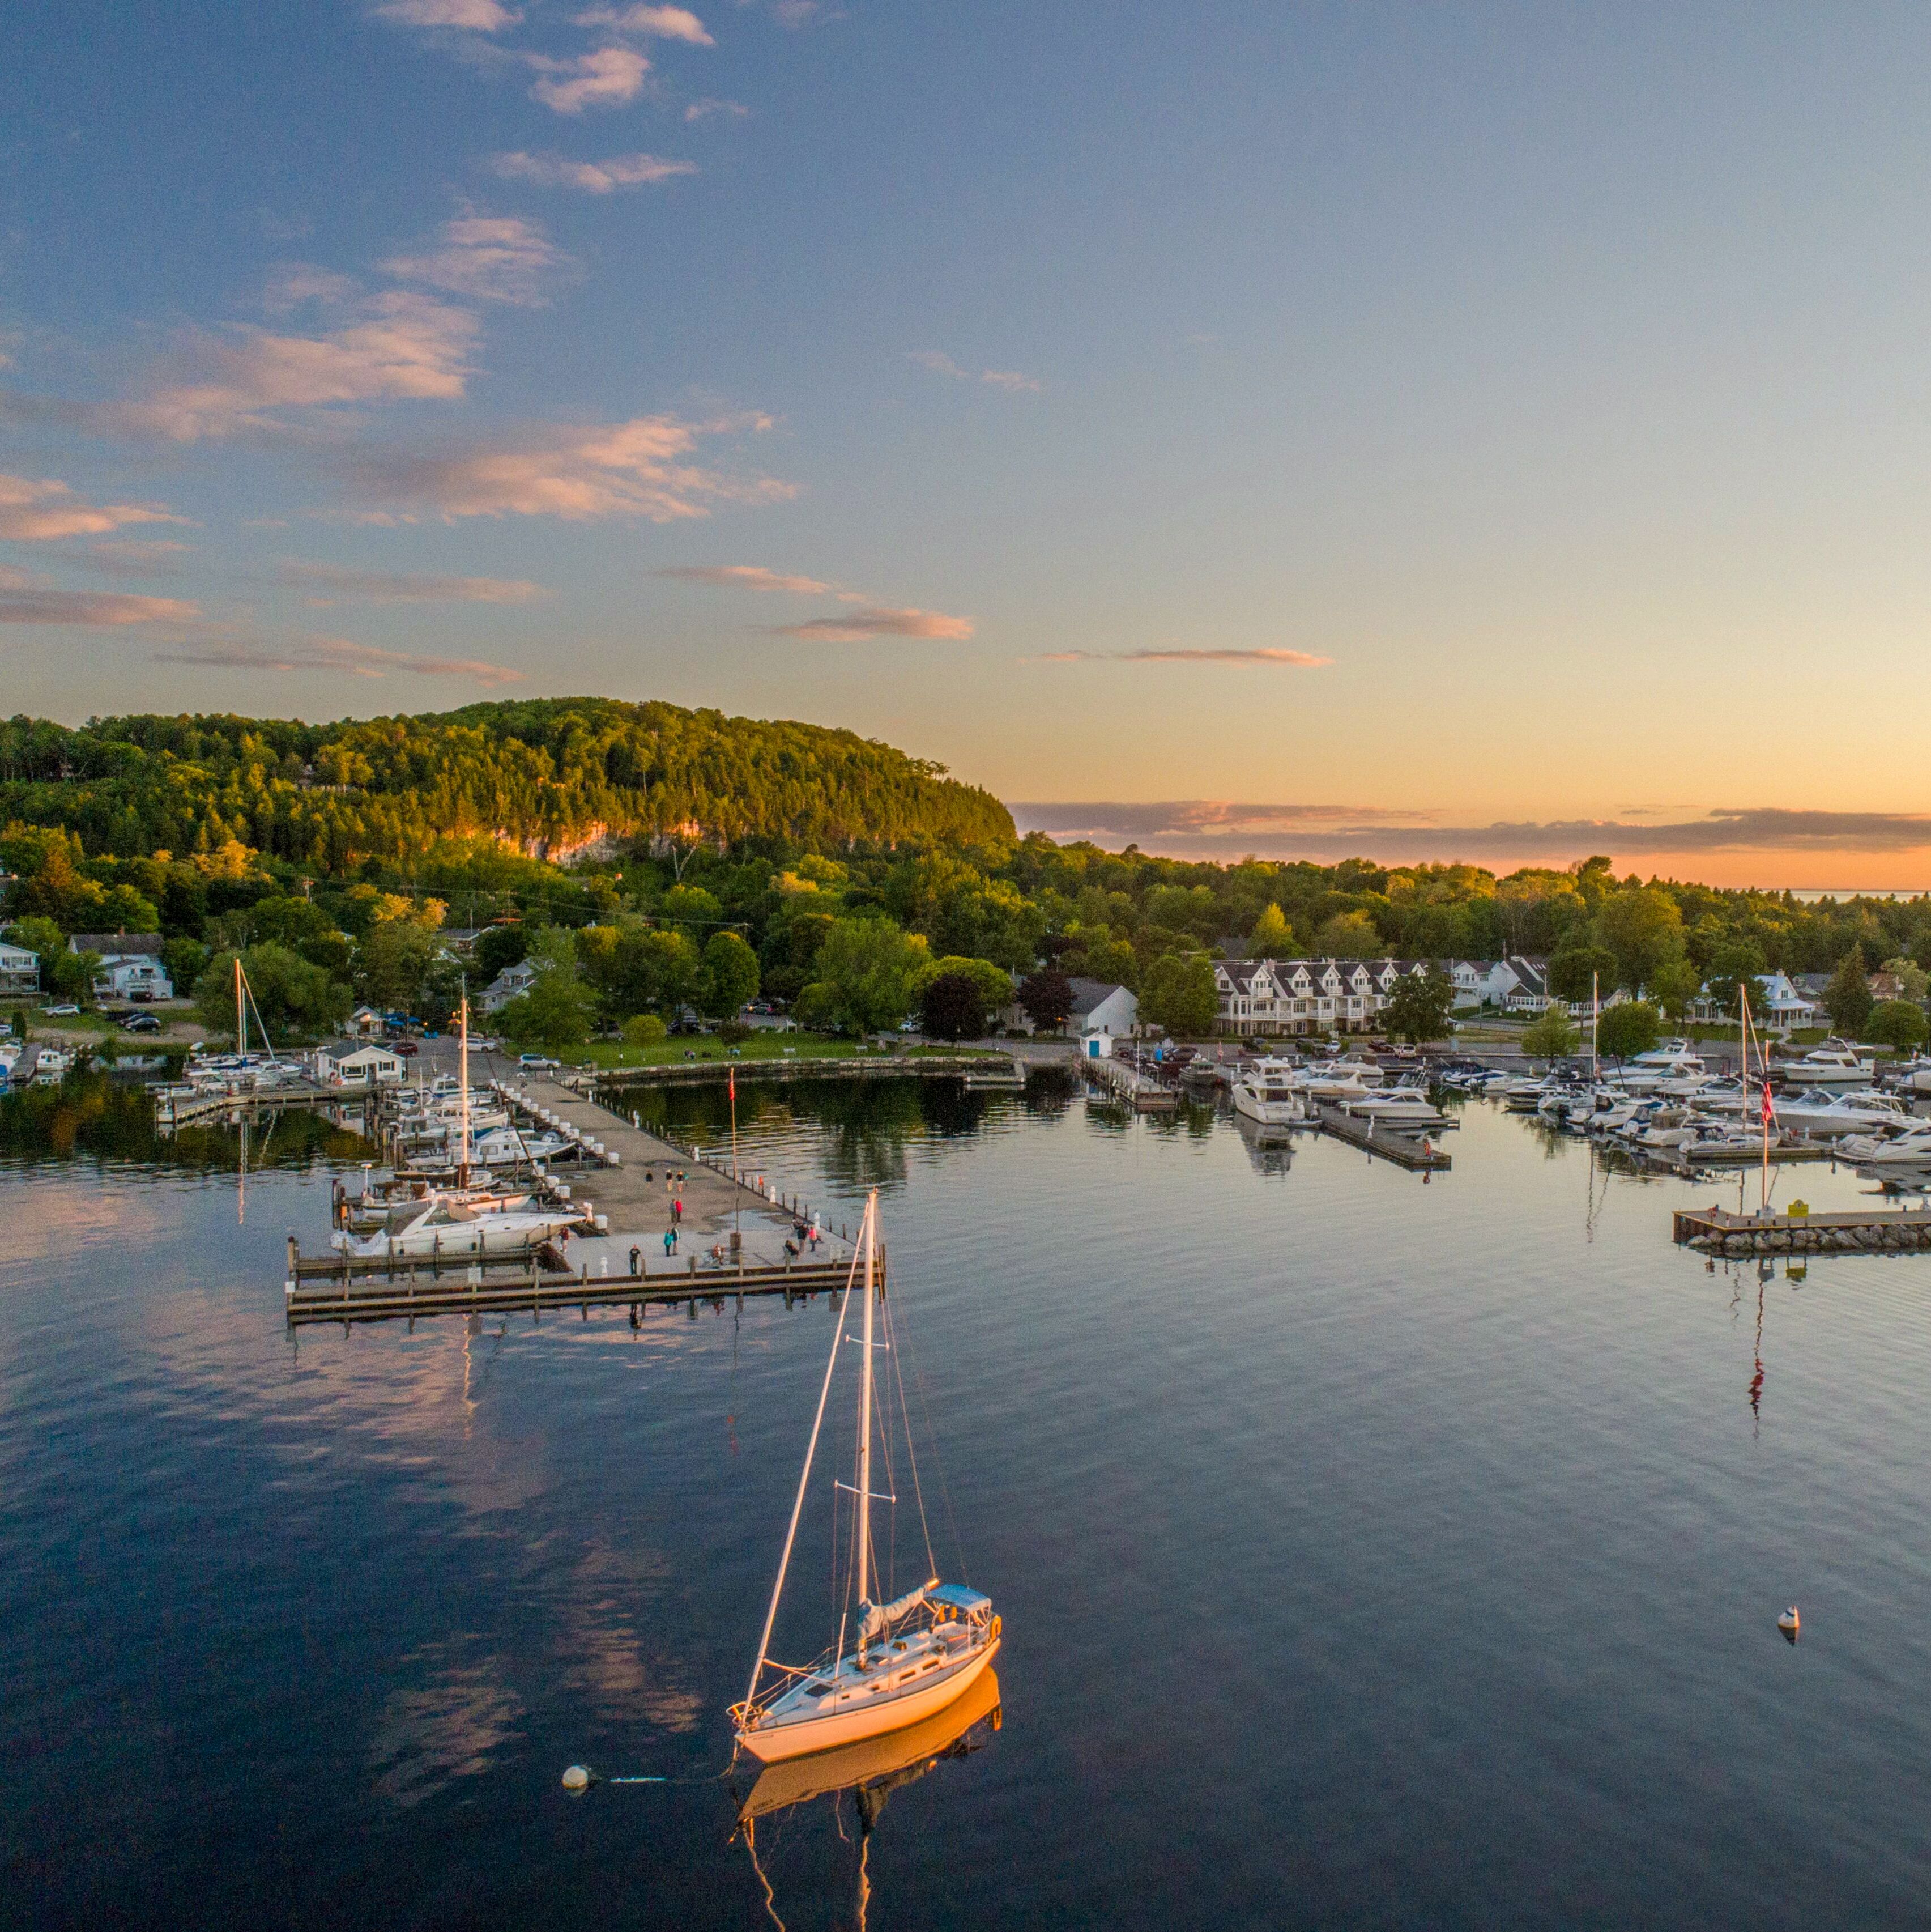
[241, 1013]
[462, 1121]
[871, 1237]
[1595, 1024]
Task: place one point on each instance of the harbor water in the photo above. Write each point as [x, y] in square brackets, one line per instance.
[1372, 1551]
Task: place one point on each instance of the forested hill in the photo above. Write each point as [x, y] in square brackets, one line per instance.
[544, 775]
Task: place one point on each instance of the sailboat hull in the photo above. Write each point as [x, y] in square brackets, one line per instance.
[801, 1736]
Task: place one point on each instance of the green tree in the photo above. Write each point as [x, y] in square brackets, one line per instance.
[1550, 1034]
[1575, 969]
[644, 1029]
[1642, 925]
[392, 963]
[867, 970]
[1847, 999]
[1913, 982]
[554, 1014]
[1737, 965]
[1418, 1009]
[1180, 994]
[1898, 1023]
[498, 946]
[1675, 986]
[729, 976]
[294, 997]
[691, 905]
[952, 1006]
[1628, 1028]
[1047, 998]
[1348, 935]
[994, 982]
[1273, 937]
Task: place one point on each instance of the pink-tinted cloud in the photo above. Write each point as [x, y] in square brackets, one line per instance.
[702, 110]
[1281, 659]
[39, 510]
[607, 78]
[663, 23]
[590, 177]
[137, 558]
[750, 577]
[481, 17]
[860, 627]
[27, 599]
[941, 364]
[489, 258]
[337, 654]
[331, 583]
[404, 345]
[634, 469]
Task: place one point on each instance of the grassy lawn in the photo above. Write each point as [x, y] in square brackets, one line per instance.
[759, 1046]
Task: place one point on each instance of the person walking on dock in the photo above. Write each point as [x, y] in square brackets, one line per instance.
[636, 1257]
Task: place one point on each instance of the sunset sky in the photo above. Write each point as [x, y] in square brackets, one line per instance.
[1498, 433]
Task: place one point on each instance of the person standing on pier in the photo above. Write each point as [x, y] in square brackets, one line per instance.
[670, 1243]
[677, 1209]
[636, 1257]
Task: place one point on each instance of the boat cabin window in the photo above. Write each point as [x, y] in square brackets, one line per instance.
[817, 1690]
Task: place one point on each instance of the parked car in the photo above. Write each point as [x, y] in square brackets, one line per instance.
[140, 1023]
[536, 1060]
[67, 1012]
[407, 1049]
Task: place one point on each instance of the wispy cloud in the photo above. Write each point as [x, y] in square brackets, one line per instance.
[1220, 828]
[331, 583]
[862, 626]
[607, 78]
[39, 510]
[403, 344]
[1281, 659]
[154, 558]
[291, 284]
[800, 13]
[487, 257]
[635, 469]
[591, 177]
[481, 17]
[665, 23]
[941, 364]
[339, 656]
[702, 110]
[27, 599]
[750, 577]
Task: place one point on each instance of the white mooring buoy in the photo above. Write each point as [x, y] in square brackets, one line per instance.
[577, 1778]
[1789, 1623]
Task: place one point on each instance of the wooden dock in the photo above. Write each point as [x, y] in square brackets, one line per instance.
[1140, 1091]
[375, 1292]
[1857, 1232]
[1416, 1153]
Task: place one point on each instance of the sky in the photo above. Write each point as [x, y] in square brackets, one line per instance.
[1497, 433]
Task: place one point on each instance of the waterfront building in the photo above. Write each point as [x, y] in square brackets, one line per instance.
[1263, 997]
[19, 969]
[130, 965]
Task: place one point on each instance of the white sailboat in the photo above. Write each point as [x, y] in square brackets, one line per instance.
[913, 1656]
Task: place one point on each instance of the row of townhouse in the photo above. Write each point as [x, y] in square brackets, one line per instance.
[1306, 996]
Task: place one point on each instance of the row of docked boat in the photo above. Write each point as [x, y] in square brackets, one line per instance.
[1278, 1091]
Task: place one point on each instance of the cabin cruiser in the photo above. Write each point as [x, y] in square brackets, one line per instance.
[1408, 1107]
[444, 1228]
[1910, 1076]
[1830, 1116]
[1713, 1140]
[1266, 1090]
[1337, 1079]
[1910, 1148]
[1662, 1071]
[1832, 1064]
[51, 1063]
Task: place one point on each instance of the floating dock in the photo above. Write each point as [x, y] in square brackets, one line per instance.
[1859, 1231]
[1140, 1091]
[1416, 1152]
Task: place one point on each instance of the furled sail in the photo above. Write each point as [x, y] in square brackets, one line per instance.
[877, 1619]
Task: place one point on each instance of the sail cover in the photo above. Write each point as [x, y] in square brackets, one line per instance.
[877, 1619]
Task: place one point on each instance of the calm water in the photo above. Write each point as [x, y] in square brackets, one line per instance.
[1371, 1554]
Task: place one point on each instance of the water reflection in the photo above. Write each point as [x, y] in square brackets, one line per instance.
[1270, 1149]
[871, 1770]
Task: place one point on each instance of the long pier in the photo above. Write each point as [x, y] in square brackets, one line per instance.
[1857, 1232]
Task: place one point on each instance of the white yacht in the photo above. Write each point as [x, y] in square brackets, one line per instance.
[1408, 1107]
[442, 1228]
[1265, 1090]
[1832, 1064]
[1343, 1079]
[1830, 1116]
[1911, 1148]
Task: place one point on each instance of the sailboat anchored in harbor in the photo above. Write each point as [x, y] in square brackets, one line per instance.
[914, 1655]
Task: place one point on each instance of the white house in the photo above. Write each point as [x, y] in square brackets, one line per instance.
[1782, 1008]
[1306, 996]
[1483, 983]
[19, 969]
[1103, 1009]
[511, 983]
[345, 1063]
[130, 965]
[1525, 983]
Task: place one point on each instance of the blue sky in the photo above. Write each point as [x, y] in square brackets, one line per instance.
[1391, 420]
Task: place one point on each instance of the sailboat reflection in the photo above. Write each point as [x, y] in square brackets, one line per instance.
[871, 1769]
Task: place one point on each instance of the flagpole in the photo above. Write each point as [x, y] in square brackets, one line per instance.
[737, 1193]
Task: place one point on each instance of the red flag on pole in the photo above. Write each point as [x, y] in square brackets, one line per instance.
[733, 1073]
[1769, 1112]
